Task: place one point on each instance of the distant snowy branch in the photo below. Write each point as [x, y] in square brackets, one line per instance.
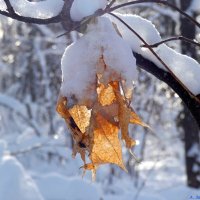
[41, 146]
[16, 107]
[162, 10]
[158, 2]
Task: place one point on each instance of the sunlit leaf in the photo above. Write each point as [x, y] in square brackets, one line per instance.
[106, 145]
[96, 126]
[81, 116]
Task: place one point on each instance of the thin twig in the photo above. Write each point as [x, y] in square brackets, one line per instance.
[156, 55]
[26, 119]
[35, 147]
[110, 4]
[31, 20]
[9, 7]
[56, 19]
[12, 14]
[146, 179]
[158, 2]
[172, 39]
[82, 22]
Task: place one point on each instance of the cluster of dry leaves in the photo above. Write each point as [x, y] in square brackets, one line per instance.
[95, 125]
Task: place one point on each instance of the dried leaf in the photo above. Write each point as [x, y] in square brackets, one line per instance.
[106, 95]
[106, 145]
[135, 119]
[81, 116]
[95, 125]
[124, 120]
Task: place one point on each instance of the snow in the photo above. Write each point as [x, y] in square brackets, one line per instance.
[13, 103]
[15, 183]
[84, 8]
[195, 6]
[80, 61]
[194, 150]
[184, 67]
[55, 186]
[2, 5]
[42, 9]
[48, 182]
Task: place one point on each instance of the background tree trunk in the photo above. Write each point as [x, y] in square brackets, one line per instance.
[190, 128]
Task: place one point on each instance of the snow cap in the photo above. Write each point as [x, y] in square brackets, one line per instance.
[80, 62]
[84, 8]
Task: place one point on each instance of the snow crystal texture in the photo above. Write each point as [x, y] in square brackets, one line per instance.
[80, 60]
[42, 9]
[84, 8]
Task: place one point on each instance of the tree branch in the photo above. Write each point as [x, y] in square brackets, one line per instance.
[157, 56]
[164, 2]
[173, 39]
[31, 20]
[166, 77]
[56, 19]
[9, 7]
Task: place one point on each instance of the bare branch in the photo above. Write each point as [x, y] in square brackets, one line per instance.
[9, 7]
[12, 14]
[159, 2]
[31, 20]
[110, 4]
[172, 39]
[157, 56]
[192, 103]
[26, 119]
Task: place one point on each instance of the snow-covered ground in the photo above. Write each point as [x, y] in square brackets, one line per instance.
[161, 176]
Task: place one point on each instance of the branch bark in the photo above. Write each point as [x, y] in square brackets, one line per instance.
[63, 16]
[31, 20]
[166, 77]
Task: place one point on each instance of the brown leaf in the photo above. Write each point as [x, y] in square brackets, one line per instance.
[106, 145]
[135, 119]
[106, 95]
[124, 120]
[95, 123]
[81, 116]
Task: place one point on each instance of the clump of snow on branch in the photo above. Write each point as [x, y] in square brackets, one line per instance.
[42, 9]
[184, 67]
[80, 60]
[84, 8]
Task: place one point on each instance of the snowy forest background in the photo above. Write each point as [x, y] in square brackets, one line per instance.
[36, 142]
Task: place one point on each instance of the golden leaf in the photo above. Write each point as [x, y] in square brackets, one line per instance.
[95, 125]
[81, 116]
[106, 145]
[124, 119]
[106, 95]
[135, 119]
